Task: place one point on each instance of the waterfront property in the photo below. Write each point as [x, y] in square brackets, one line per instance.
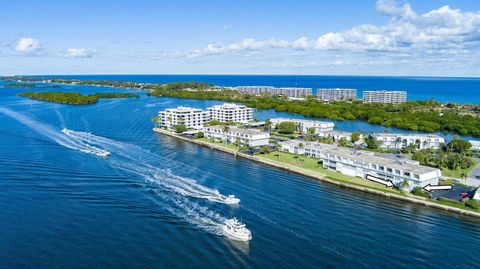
[286, 91]
[338, 135]
[399, 141]
[365, 164]
[231, 134]
[385, 97]
[320, 128]
[336, 94]
[231, 113]
[186, 116]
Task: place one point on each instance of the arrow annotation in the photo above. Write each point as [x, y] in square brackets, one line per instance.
[437, 187]
[387, 183]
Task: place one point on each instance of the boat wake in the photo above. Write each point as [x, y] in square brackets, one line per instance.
[134, 159]
[173, 192]
[53, 133]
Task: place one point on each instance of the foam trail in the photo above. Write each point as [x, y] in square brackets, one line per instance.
[137, 161]
[52, 133]
[176, 189]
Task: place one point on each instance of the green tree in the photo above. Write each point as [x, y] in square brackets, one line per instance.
[355, 136]
[180, 128]
[343, 142]
[459, 146]
[286, 127]
[200, 134]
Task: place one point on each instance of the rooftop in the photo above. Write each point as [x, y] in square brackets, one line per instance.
[408, 135]
[302, 120]
[237, 130]
[367, 157]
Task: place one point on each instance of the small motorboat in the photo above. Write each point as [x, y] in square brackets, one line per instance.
[230, 199]
[236, 230]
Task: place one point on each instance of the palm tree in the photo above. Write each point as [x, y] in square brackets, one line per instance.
[301, 146]
[277, 155]
[296, 158]
[237, 142]
[225, 130]
[398, 140]
[268, 125]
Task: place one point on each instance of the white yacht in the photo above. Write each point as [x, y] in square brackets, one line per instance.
[226, 199]
[236, 230]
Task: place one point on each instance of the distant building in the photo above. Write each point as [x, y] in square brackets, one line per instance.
[320, 127]
[187, 116]
[231, 113]
[365, 164]
[338, 135]
[250, 137]
[336, 94]
[287, 91]
[399, 141]
[386, 97]
[475, 145]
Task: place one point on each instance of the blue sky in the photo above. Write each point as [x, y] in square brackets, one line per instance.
[368, 37]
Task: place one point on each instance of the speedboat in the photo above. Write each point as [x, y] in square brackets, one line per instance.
[230, 199]
[103, 153]
[235, 230]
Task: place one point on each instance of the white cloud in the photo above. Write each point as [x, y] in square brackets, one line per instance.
[444, 30]
[29, 46]
[77, 53]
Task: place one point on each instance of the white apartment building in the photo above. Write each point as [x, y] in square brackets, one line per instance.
[231, 113]
[287, 91]
[336, 94]
[475, 145]
[386, 97]
[365, 164]
[250, 137]
[321, 127]
[399, 141]
[188, 116]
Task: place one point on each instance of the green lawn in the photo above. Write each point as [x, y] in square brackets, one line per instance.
[223, 144]
[458, 172]
[312, 165]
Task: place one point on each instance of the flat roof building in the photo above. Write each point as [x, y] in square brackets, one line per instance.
[320, 127]
[336, 94]
[399, 141]
[250, 137]
[187, 116]
[287, 91]
[365, 164]
[385, 97]
[231, 113]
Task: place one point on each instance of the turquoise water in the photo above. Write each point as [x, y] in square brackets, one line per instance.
[145, 206]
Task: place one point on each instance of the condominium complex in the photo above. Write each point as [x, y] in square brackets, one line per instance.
[399, 141]
[231, 113]
[320, 127]
[365, 164]
[250, 137]
[336, 94]
[289, 92]
[387, 97]
[187, 116]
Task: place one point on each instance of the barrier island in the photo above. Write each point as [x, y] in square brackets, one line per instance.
[74, 98]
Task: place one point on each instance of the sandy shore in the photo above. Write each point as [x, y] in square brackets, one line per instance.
[321, 177]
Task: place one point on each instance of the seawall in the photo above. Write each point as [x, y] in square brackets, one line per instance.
[322, 177]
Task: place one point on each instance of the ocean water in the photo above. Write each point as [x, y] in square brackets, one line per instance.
[145, 206]
[460, 90]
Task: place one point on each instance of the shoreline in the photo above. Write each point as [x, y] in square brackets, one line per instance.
[323, 178]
